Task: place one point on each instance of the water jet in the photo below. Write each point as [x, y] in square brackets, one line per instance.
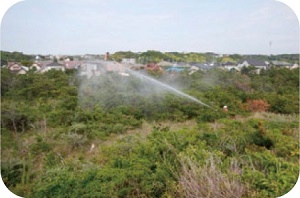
[168, 87]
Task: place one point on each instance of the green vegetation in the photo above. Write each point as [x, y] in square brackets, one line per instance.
[157, 56]
[62, 136]
[15, 57]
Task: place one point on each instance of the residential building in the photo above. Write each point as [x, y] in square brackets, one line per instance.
[72, 64]
[259, 64]
[230, 66]
[164, 64]
[96, 68]
[17, 68]
[281, 64]
[128, 61]
[53, 66]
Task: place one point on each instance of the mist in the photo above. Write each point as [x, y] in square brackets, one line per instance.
[128, 87]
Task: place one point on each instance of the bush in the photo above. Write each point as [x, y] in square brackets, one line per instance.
[210, 115]
[269, 176]
[257, 105]
[208, 181]
[11, 172]
[40, 146]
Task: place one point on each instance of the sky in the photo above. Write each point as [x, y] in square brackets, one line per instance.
[76, 27]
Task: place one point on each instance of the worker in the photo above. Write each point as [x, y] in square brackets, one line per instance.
[225, 108]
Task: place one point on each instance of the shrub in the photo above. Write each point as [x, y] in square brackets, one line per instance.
[75, 140]
[257, 105]
[260, 137]
[268, 175]
[11, 172]
[210, 115]
[40, 146]
[208, 181]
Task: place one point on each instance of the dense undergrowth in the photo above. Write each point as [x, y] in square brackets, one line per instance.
[64, 136]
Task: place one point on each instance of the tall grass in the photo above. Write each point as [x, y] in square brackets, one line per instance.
[208, 181]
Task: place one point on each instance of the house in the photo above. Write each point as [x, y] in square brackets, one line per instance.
[96, 68]
[17, 68]
[258, 64]
[164, 64]
[128, 61]
[295, 66]
[36, 66]
[174, 70]
[193, 69]
[201, 66]
[43, 63]
[40, 66]
[90, 69]
[233, 69]
[137, 67]
[72, 64]
[230, 66]
[281, 64]
[182, 65]
[113, 66]
[153, 67]
[53, 66]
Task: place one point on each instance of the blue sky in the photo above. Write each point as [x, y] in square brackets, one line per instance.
[98, 26]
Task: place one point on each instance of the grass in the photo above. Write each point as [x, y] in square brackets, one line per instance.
[208, 181]
[195, 179]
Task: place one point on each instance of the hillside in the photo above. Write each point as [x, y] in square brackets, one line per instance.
[119, 136]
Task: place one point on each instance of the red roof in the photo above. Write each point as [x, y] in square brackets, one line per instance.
[153, 67]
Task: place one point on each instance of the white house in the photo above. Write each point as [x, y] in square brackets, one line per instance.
[128, 61]
[89, 69]
[35, 66]
[72, 64]
[282, 64]
[164, 64]
[230, 66]
[259, 64]
[53, 66]
[96, 68]
[295, 66]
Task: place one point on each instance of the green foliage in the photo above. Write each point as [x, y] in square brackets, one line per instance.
[118, 138]
[270, 176]
[17, 117]
[40, 146]
[118, 56]
[157, 56]
[15, 57]
[209, 115]
[11, 172]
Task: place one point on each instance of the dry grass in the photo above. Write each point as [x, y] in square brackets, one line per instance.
[208, 181]
[147, 128]
[276, 117]
[140, 133]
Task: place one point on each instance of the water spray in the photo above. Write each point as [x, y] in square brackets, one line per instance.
[166, 86]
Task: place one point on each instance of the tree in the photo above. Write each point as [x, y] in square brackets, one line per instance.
[26, 63]
[257, 105]
[247, 70]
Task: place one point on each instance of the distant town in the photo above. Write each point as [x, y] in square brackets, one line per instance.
[170, 62]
